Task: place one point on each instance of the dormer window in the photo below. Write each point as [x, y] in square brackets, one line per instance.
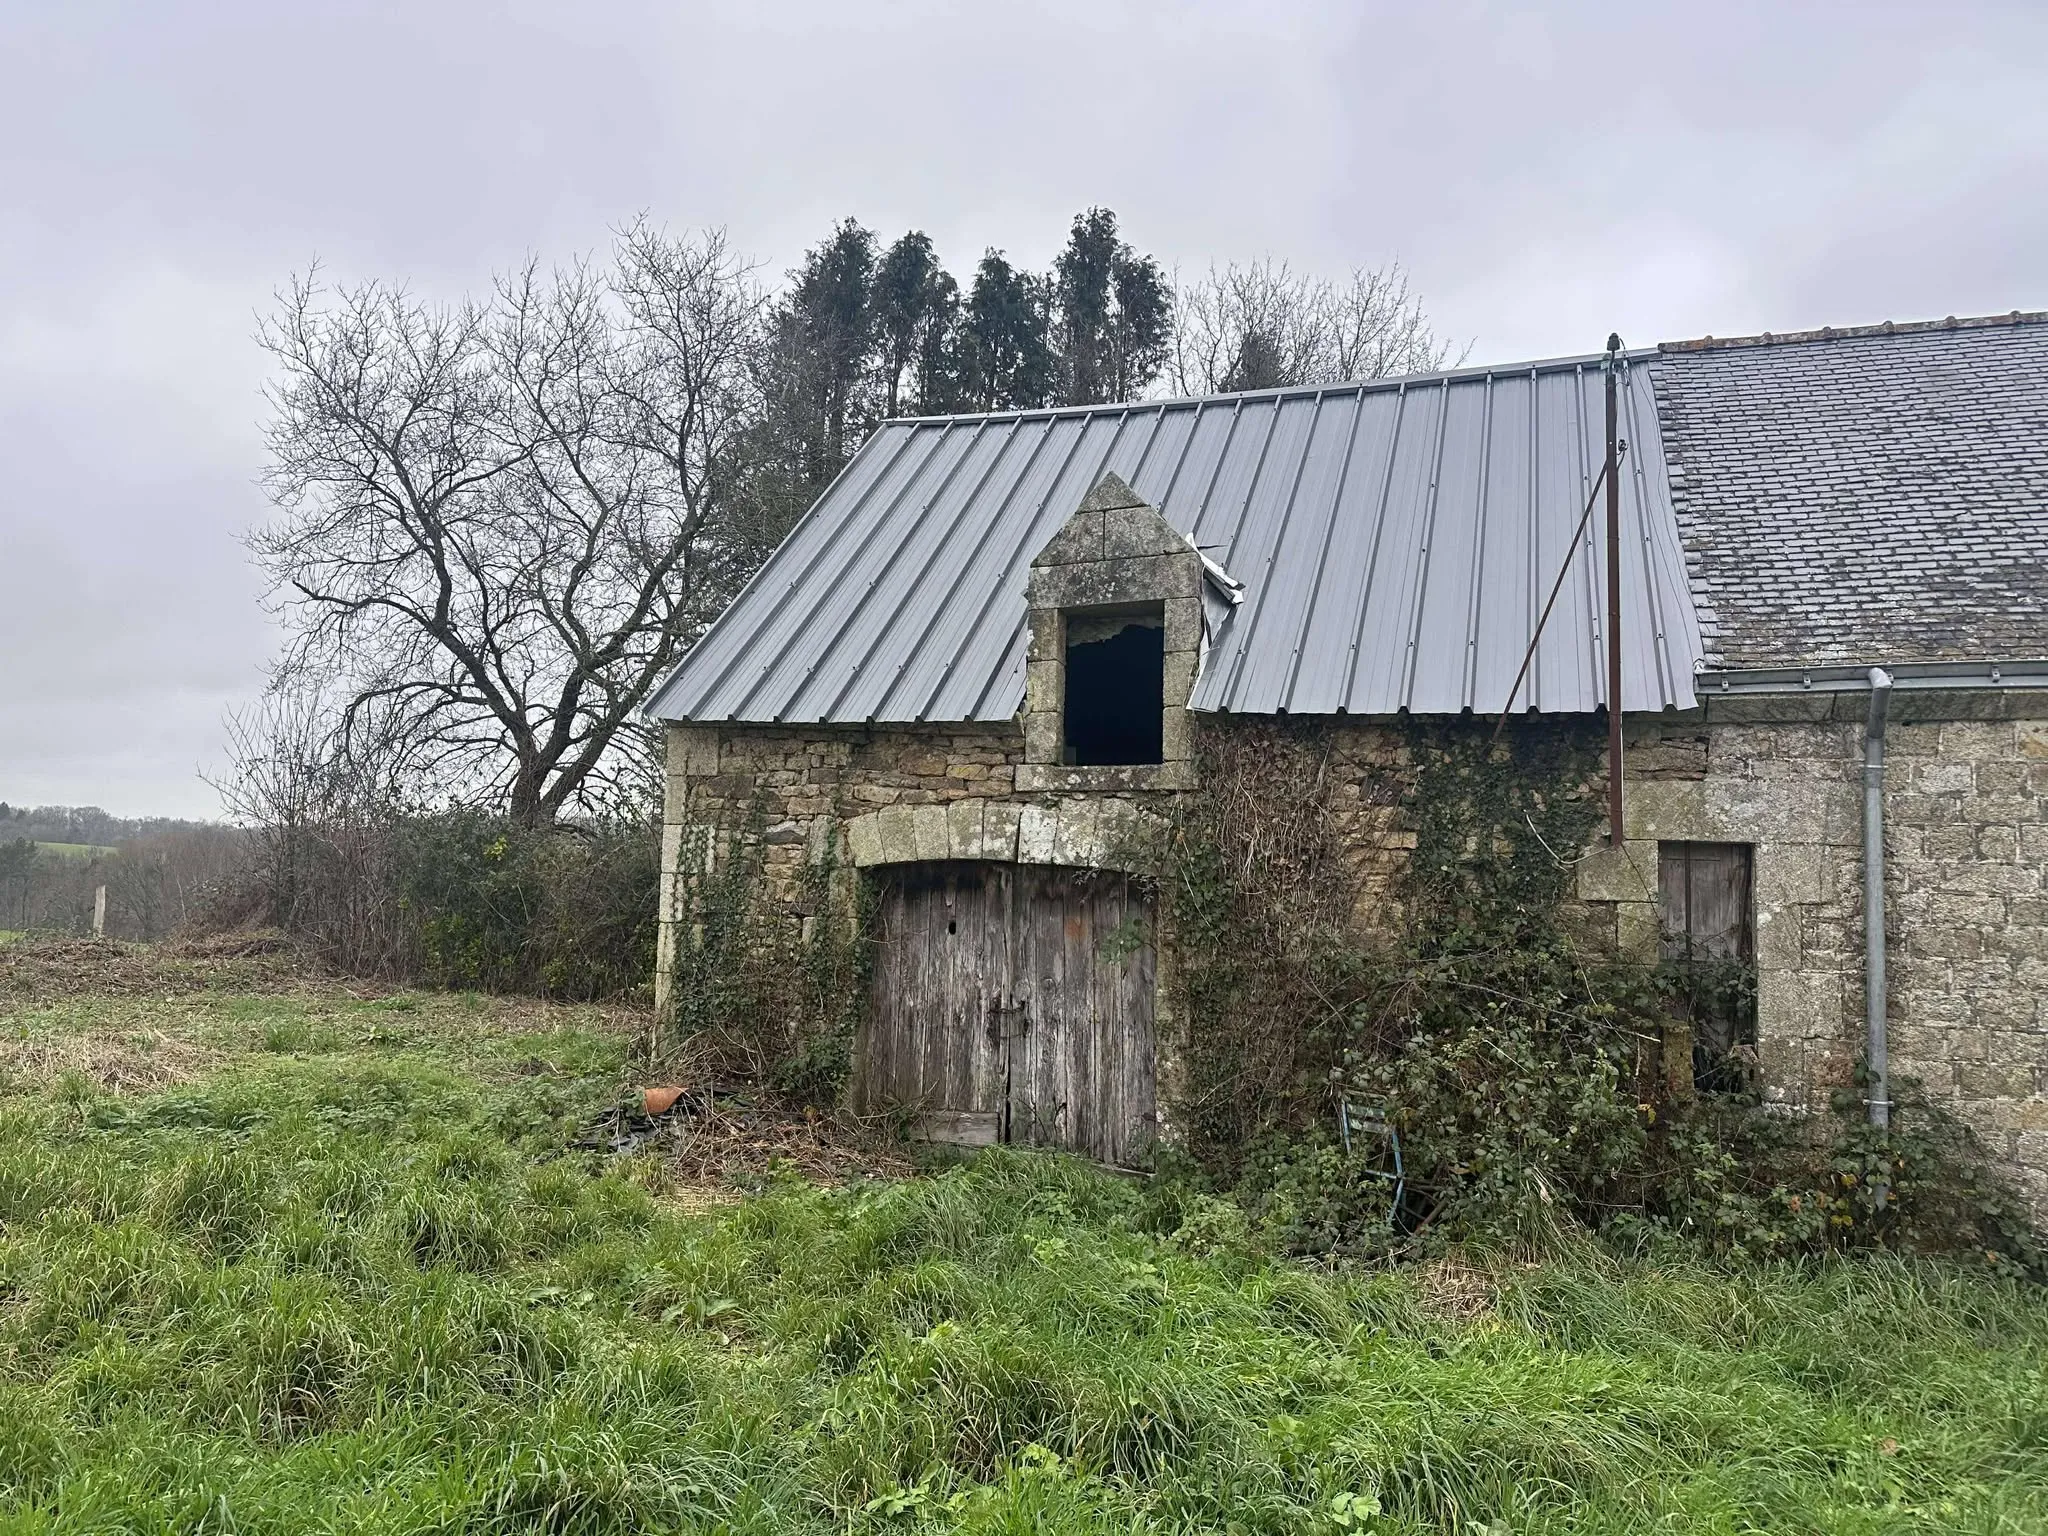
[1117, 626]
[1115, 685]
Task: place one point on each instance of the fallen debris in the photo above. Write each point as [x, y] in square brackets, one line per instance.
[713, 1138]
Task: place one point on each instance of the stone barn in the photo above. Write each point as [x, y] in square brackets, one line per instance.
[983, 661]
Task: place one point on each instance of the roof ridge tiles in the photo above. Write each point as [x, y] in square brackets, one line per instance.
[1845, 332]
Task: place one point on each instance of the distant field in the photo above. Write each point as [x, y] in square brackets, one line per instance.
[73, 850]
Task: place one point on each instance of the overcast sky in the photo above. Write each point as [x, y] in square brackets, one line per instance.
[1546, 173]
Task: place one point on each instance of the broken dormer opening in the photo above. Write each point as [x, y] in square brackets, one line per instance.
[1115, 685]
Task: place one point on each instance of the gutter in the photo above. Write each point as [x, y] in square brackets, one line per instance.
[1875, 1053]
[1918, 676]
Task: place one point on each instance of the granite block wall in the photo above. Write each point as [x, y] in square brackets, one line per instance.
[1967, 849]
[1966, 903]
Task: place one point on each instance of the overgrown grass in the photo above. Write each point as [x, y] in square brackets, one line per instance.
[353, 1281]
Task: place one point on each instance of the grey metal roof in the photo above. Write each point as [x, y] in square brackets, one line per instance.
[1396, 541]
[1876, 494]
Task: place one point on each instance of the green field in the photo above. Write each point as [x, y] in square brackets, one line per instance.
[74, 850]
[324, 1263]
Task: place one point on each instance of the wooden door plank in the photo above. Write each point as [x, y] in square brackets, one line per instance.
[1086, 1080]
[925, 1044]
[1011, 1003]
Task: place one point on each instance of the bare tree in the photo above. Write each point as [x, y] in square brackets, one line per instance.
[314, 789]
[1261, 325]
[501, 522]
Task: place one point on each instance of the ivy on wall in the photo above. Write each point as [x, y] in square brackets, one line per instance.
[1457, 1018]
[769, 982]
[1475, 1013]
[1255, 890]
[1497, 825]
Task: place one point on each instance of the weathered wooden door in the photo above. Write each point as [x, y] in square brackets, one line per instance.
[1014, 1003]
[1704, 911]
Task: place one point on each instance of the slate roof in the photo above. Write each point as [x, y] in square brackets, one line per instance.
[1867, 495]
[1395, 540]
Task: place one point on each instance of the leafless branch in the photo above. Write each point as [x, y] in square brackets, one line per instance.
[500, 523]
[1262, 325]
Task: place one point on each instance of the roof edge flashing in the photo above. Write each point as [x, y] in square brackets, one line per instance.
[1337, 387]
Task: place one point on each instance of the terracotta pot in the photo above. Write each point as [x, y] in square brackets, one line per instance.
[659, 1101]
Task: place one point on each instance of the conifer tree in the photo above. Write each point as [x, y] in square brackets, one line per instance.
[1006, 359]
[1115, 313]
[916, 307]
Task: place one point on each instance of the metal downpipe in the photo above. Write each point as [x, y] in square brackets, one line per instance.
[1873, 899]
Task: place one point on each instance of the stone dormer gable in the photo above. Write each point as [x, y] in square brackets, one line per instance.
[1116, 614]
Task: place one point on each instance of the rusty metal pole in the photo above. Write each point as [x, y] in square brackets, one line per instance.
[1614, 827]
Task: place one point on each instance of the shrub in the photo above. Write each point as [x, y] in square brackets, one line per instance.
[563, 912]
[465, 898]
[1751, 1184]
[1517, 1065]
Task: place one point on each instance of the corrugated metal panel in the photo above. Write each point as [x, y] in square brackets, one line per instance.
[1396, 541]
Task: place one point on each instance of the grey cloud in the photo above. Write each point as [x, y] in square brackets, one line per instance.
[1547, 173]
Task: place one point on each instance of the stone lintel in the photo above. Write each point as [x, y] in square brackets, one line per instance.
[864, 841]
[1095, 832]
[1105, 778]
[929, 833]
[1000, 821]
[1110, 583]
[898, 834]
[1037, 829]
